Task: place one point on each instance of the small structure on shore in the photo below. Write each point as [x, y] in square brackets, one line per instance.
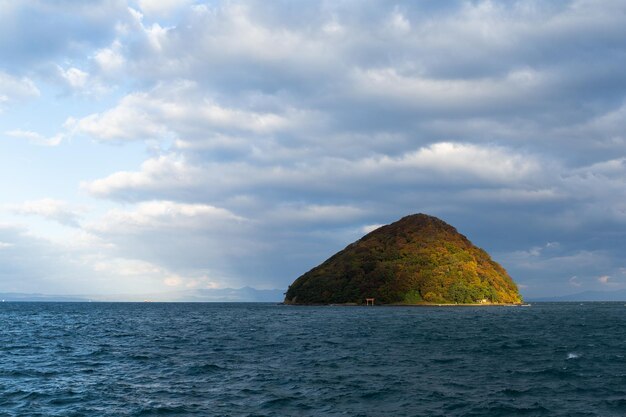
[369, 301]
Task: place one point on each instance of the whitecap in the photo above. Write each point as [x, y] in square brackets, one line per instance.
[573, 356]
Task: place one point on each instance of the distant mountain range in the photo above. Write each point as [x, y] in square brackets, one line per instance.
[245, 294]
[14, 296]
[617, 295]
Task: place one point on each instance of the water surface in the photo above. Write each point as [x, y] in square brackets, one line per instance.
[132, 359]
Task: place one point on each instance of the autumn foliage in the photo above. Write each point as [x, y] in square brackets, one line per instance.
[418, 259]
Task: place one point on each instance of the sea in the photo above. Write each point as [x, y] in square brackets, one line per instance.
[263, 359]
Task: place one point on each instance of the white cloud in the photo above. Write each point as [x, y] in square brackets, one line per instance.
[74, 77]
[110, 60]
[124, 122]
[333, 27]
[126, 267]
[371, 227]
[89, 268]
[612, 168]
[173, 110]
[163, 215]
[399, 23]
[513, 195]
[173, 281]
[16, 88]
[51, 209]
[35, 137]
[449, 161]
[199, 282]
[161, 8]
[163, 240]
[574, 281]
[448, 95]
[535, 260]
[156, 36]
[162, 172]
[37, 265]
[314, 213]
[484, 162]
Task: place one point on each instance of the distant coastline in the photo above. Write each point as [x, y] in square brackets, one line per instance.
[221, 295]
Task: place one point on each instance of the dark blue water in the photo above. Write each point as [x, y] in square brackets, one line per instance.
[75, 359]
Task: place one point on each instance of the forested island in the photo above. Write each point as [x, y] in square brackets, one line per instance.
[419, 259]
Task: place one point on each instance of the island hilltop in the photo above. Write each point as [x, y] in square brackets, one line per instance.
[419, 259]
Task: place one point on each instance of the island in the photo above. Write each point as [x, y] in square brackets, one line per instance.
[418, 260]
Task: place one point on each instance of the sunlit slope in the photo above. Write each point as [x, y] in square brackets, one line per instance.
[418, 259]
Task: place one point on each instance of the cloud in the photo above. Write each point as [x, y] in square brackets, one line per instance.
[122, 123]
[35, 137]
[398, 22]
[275, 135]
[574, 281]
[51, 209]
[319, 214]
[76, 81]
[160, 8]
[196, 242]
[70, 29]
[13, 88]
[174, 111]
[371, 227]
[34, 265]
[159, 173]
[82, 265]
[431, 95]
[126, 267]
[535, 260]
[550, 269]
[165, 215]
[450, 162]
[74, 77]
[110, 60]
[466, 159]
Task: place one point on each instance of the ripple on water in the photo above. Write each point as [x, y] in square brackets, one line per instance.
[260, 359]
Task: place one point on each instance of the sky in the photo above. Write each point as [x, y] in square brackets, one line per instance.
[153, 146]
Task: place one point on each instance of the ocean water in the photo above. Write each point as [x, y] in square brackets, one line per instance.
[143, 359]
